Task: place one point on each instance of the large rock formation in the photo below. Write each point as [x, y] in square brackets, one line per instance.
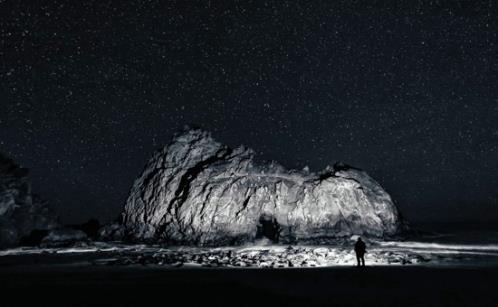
[20, 211]
[198, 191]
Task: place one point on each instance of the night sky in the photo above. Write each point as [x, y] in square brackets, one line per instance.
[89, 89]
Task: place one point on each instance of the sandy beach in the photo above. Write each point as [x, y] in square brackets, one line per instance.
[82, 285]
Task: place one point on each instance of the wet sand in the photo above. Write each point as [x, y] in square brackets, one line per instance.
[31, 282]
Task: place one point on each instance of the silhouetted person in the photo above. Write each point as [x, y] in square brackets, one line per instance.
[276, 228]
[360, 249]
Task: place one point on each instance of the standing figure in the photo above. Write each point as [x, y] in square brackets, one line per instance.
[276, 228]
[360, 249]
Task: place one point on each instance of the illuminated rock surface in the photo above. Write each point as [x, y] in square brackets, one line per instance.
[262, 253]
[198, 191]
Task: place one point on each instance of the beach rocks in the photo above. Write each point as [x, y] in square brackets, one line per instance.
[112, 232]
[270, 257]
[63, 237]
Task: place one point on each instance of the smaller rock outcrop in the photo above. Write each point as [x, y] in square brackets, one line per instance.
[112, 232]
[63, 237]
[90, 228]
[21, 211]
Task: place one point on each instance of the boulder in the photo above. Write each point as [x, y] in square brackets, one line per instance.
[198, 191]
[91, 228]
[112, 232]
[63, 237]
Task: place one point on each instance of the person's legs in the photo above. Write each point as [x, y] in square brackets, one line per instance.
[358, 259]
[363, 260]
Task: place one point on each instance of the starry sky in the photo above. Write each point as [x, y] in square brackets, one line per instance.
[408, 92]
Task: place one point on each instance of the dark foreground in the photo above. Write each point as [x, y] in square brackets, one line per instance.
[147, 286]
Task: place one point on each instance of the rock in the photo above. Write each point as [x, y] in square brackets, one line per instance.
[198, 191]
[63, 237]
[91, 228]
[21, 211]
[112, 232]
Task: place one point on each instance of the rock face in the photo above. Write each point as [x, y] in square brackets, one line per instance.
[198, 191]
[20, 211]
